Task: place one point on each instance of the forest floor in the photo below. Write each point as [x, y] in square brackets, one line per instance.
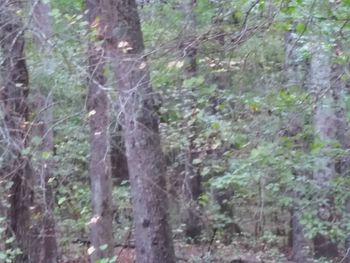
[240, 251]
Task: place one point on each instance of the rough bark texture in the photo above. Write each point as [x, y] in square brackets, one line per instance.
[14, 92]
[300, 245]
[192, 182]
[325, 125]
[100, 168]
[221, 78]
[347, 239]
[140, 126]
[118, 158]
[294, 78]
[43, 226]
[343, 134]
[293, 65]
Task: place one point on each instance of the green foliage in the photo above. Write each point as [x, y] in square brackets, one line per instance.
[236, 110]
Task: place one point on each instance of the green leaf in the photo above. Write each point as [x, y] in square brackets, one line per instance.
[26, 151]
[193, 82]
[289, 10]
[62, 200]
[45, 155]
[285, 26]
[3, 256]
[10, 240]
[196, 161]
[300, 28]
[36, 140]
[216, 125]
[55, 13]
[103, 247]
[346, 2]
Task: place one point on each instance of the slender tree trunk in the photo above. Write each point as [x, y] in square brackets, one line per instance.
[325, 125]
[101, 235]
[221, 78]
[347, 239]
[43, 227]
[192, 181]
[43, 224]
[294, 78]
[293, 65]
[140, 126]
[14, 92]
[42, 23]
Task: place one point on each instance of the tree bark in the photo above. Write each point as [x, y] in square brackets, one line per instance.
[294, 71]
[101, 235]
[294, 78]
[342, 134]
[43, 231]
[43, 226]
[192, 182]
[141, 132]
[119, 164]
[325, 125]
[42, 23]
[16, 167]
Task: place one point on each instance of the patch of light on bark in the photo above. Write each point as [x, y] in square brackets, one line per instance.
[91, 250]
[94, 220]
[91, 113]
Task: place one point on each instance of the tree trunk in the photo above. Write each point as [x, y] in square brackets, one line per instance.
[294, 78]
[325, 125]
[43, 227]
[220, 78]
[343, 135]
[101, 235]
[43, 224]
[192, 182]
[293, 65]
[119, 164]
[42, 24]
[140, 126]
[14, 92]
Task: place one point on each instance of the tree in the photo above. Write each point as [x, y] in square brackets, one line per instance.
[43, 232]
[342, 134]
[191, 185]
[101, 235]
[119, 164]
[325, 125]
[141, 132]
[43, 226]
[16, 168]
[294, 78]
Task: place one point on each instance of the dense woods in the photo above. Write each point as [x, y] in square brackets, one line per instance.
[166, 131]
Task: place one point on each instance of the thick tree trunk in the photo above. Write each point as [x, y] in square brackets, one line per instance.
[101, 235]
[192, 182]
[325, 125]
[343, 132]
[14, 92]
[140, 126]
